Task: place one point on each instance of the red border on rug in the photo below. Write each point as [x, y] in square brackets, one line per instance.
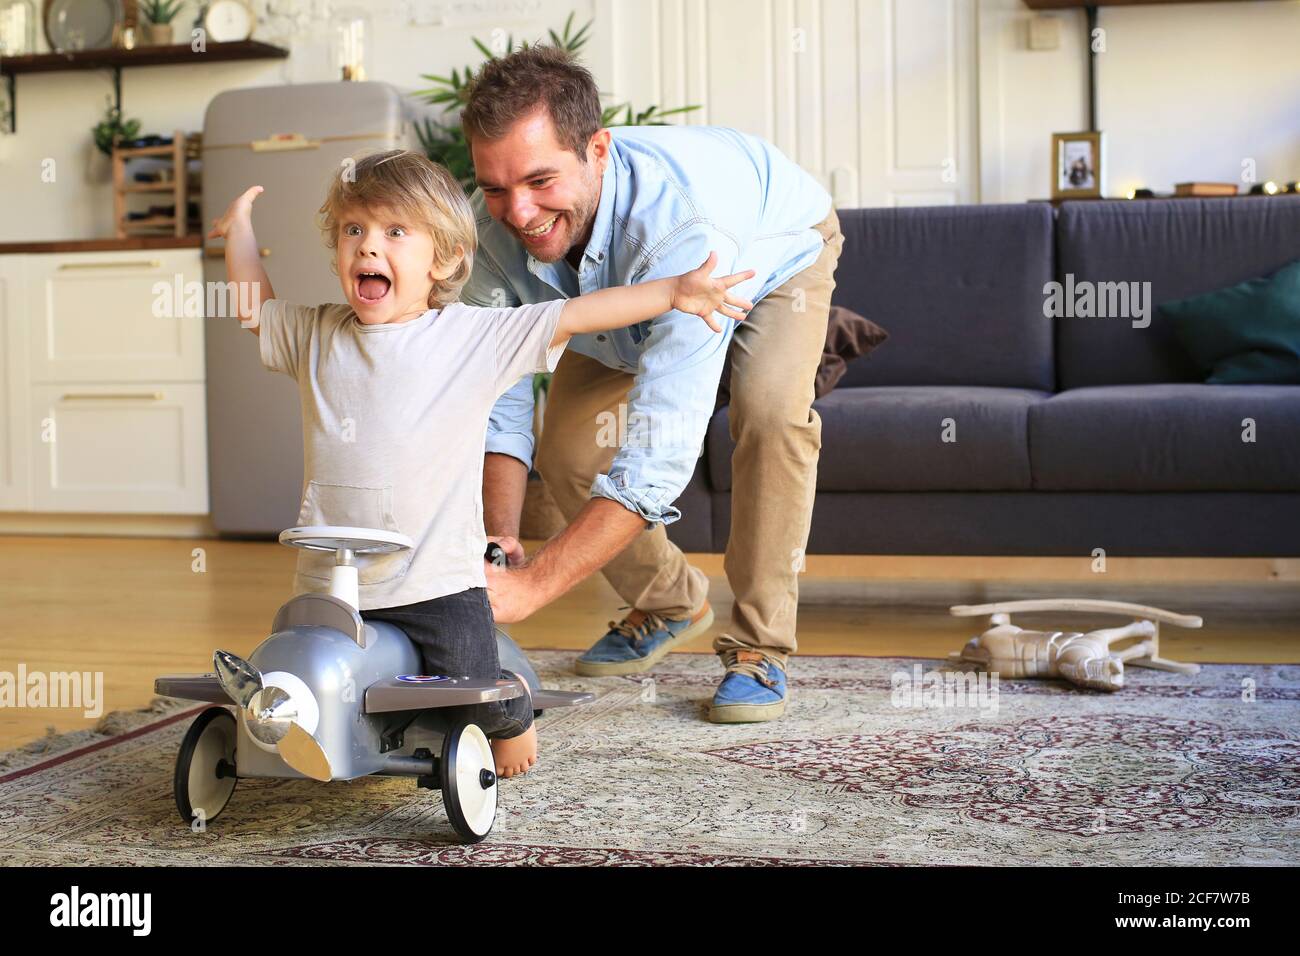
[101, 744]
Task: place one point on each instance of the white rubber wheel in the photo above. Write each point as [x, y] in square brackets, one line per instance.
[205, 766]
[469, 782]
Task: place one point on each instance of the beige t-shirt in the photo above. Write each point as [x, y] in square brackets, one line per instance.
[394, 425]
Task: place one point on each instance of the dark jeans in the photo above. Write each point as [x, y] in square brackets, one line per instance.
[457, 636]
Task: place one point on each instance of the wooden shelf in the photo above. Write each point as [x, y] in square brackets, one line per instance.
[156, 188]
[114, 59]
[178, 152]
[130, 244]
[133, 151]
[111, 58]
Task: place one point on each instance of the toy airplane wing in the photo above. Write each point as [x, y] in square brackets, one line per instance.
[412, 692]
[1077, 604]
[546, 699]
[192, 687]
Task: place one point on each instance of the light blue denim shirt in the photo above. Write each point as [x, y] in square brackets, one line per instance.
[670, 196]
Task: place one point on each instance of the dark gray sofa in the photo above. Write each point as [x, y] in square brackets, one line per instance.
[1072, 433]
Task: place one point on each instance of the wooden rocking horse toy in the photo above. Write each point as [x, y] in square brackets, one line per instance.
[1083, 659]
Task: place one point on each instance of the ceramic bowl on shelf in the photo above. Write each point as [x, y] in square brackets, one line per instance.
[82, 24]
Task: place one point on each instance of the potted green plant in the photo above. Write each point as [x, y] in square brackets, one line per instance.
[158, 15]
[444, 142]
[112, 129]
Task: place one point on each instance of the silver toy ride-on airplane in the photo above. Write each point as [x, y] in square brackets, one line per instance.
[329, 696]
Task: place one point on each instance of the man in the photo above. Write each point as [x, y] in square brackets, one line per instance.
[566, 207]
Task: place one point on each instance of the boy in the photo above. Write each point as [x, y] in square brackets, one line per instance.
[396, 389]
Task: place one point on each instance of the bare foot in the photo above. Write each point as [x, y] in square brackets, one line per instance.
[516, 754]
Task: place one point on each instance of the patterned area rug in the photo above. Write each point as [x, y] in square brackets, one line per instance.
[1200, 770]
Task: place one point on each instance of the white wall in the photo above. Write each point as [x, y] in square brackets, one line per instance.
[56, 111]
[1185, 92]
[888, 101]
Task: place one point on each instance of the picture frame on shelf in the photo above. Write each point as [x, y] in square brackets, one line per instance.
[1078, 165]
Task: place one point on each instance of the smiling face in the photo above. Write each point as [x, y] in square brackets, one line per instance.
[386, 265]
[541, 191]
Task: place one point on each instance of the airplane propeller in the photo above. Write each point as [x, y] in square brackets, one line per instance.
[275, 717]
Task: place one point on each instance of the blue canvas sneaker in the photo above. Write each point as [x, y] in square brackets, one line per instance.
[639, 641]
[753, 689]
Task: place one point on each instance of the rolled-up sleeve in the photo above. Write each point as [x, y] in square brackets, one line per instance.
[672, 398]
[510, 426]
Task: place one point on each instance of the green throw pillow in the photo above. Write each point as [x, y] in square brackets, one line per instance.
[1248, 333]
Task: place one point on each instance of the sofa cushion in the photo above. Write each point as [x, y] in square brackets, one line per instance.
[960, 290]
[1183, 247]
[848, 336]
[1248, 333]
[891, 439]
[1168, 437]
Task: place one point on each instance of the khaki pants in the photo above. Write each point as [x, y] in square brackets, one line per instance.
[774, 358]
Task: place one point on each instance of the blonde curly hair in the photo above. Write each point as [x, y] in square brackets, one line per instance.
[421, 191]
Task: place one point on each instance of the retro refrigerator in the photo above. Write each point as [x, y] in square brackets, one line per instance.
[290, 140]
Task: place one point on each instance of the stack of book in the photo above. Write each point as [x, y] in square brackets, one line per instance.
[1205, 189]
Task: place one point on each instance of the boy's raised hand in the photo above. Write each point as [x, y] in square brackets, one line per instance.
[698, 293]
[240, 211]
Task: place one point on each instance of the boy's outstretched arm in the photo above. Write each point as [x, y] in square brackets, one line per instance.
[243, 261]
[694, 292]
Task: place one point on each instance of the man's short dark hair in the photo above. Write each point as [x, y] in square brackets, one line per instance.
[510, 88]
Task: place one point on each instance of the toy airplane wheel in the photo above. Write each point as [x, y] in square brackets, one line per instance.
[469, 782]
[205, 767]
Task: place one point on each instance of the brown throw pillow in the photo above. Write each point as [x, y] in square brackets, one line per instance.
[848, 336]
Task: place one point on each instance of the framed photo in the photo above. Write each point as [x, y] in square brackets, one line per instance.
[1078, 165]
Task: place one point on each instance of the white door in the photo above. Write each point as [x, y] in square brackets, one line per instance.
[877, 98]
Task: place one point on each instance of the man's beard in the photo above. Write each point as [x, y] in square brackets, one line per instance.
[580, 218]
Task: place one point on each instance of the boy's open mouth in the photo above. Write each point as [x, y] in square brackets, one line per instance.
[371, 286]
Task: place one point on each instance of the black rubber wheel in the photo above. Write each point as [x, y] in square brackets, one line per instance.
[469, 783]
[205, 766]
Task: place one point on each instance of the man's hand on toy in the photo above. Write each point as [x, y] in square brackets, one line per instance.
[511, 593]
[511, 546]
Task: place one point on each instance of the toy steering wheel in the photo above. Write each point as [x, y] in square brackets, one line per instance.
[346, 543]
[356, 540]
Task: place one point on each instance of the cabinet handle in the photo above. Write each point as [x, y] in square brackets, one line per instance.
[211, 253]
[132, 396]
[128, 264]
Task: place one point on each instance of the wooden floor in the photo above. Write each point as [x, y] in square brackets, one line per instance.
[137, 608]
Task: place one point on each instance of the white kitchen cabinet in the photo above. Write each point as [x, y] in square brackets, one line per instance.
[103, 384]
[94, 317]
[13, 386]
[119, 448]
